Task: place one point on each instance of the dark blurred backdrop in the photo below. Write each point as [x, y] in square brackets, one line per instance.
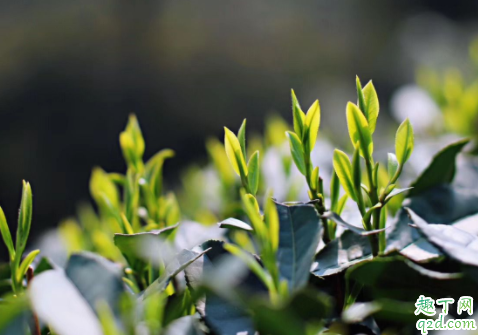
[71, 72]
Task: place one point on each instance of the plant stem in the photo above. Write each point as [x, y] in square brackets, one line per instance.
[374, 241]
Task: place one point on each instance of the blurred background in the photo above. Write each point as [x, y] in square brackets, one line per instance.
[71, 72]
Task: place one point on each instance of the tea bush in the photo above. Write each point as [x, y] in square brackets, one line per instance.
[230, 257]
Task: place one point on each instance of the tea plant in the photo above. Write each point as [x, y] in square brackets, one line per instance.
[135, 268]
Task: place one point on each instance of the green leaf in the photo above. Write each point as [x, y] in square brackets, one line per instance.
[404, 142]
[223, 274]
[357, 179]
[302, 312]
[372, 105]
[312, 122]
[441, 170]
[7, 237]
[360, 96]
[14, 315]
[314, 179]
[299, 234]
[341, 253]
[253, 176]
[27, 261]
[392, 165]
[395, 192]
[154, 169]
[299, 116]
[129, 244]
[297, 151]
[96, 278]
[187, 325]
[456, 243]
[241, 136]
[395, 278]
[359, 130]
[102, 186]
[343, 169]
[59, 303]
[271, 219]
[235, 223]
[132, 143]
[357, 230]
[234, 153]
[24, 219]
[177, 264]
[334, 191]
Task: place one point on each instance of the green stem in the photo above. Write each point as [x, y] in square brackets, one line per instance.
[374, 241]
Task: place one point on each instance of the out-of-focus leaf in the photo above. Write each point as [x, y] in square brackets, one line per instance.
[343, 169]
[223, 273]
[59, 303]
[96, 278]
[297, 151]
[343, 252]
[440, 171]
[177, 264]
[187, 325]
[383, 275]
[235, 223]
[394, 311]
[25, 264]
[404, 142]
[299, 235]
[304, 311]
[359, 130]
[191, 234]
[13, 315]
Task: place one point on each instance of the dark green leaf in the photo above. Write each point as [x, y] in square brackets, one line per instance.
[357, 230]
[440, 171]
[299, 234]
[187, 325]
[96, 278]
[241, 136]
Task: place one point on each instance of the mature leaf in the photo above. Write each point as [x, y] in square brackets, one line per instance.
[298, 114]
[441, 170]
[234, 153]
[312, 122]
[346, 250]
[297, 151]
[59, 303]
[187, 325]
[456, 243]
[129, 244]
[96, 278]
[253, 176]
[235, 223]
[392, 165]
[241, 136]
[173, 267]
[299, 234]
[343, 169]
[304, 309]
[223, 274]
[395, 192]
[404, 142]
[14, 317]
[372, 105]
[393, 278]
[357, 230]
[359, 130]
